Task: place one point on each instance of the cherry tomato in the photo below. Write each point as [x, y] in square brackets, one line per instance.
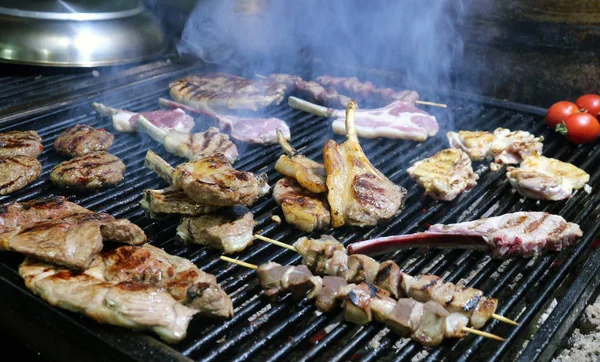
[589, 103]
[580, 128]
[559, 112]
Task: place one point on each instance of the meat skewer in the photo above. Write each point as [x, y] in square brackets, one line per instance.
[519, 234]
[427, 323]
[328, 256]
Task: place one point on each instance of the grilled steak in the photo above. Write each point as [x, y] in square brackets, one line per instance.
[445, 174]
[539, 177]
[124, 304]
[173, 201]
[359, 194]
[17, 172]
[305, 210]
[226, 232]
[91, 171]
[20, 143]
[126, 121]
[226, 91]
[82, 139]
[326, 97]
[364, 92]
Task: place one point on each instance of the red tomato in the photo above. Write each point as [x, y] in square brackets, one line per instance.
[580, 128]
[589, 103]
[559, 112]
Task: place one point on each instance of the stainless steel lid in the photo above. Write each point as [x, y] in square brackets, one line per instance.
[78, 33]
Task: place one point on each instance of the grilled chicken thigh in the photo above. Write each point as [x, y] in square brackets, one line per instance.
[505, 146]
[445, 174]
[539, 177]
[172, 200]
[305, 210]
[211, 180]
[192, 146]
[90, 171]
[20, 143]
[226, 232]
[359, 194]
[82, 139]
[17, 172]
[308, 173]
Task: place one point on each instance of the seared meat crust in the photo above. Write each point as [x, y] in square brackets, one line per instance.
[82, 139]
[20, 143]
[17, 172]
[91, 171]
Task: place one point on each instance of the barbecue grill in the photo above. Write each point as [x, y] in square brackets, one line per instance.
[291, 330]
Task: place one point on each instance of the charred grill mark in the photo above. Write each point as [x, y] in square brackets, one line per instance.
[471, 303]
[383, 274]
[536, 224]
[10, 183]
[557, 231]
[514, 222]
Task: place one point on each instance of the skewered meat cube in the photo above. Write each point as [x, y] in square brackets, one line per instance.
[124, 304]
[90, 171]
[539, 177]
[20, 143]
[328, 297]
[300, 281]
[226, 91]
[505, 146]
[82, 139]
[226, 232]
[389, 278]
[323, 256]
[301, 208]
[244, 129]
[359, 194]
[179, 276]
[211, 180]
[308, 173]
[172, 200]
[317, 93]
[366, 91]
[17, 172]
[519, 234]
[192, 146]
[271, 275]
[444, 175]
[166, 120]
[396, 120]
[357, 302]
[361, 268]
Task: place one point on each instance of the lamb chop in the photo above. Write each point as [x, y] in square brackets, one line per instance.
[211, 180]
[543, 178]
[445, 174]
[226, 91]
[301, 208]
[172, 200]
[20, 143]
[17, 172]
[505, 146]
[520, 234]
[366, 91]
[308, 173]
[192, 146]
[396, 120]
[326, 97]
[244, 129]
[359, 194]
[82, 139]
[227, 232]
[167, 120]
[90, 171]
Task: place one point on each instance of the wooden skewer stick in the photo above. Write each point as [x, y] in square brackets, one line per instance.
[284, 245]
[441, 105]
[466, 329]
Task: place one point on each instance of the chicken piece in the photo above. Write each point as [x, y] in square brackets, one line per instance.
[82, 139]
[475, 144]
[444, 175]
[192, 146]
[544, 178]
[359, 194]
[389, 278]
[361, 268]
[211, 180]
[125, 304]
[301, 208]
[357, 302]
[308, 173]
[179, 276]
[90, 171]
[323, 256]
[172, 200]
[20, 143]
[17, 172]
[226, 232]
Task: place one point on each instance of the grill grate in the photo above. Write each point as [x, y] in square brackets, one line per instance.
[292, 330]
